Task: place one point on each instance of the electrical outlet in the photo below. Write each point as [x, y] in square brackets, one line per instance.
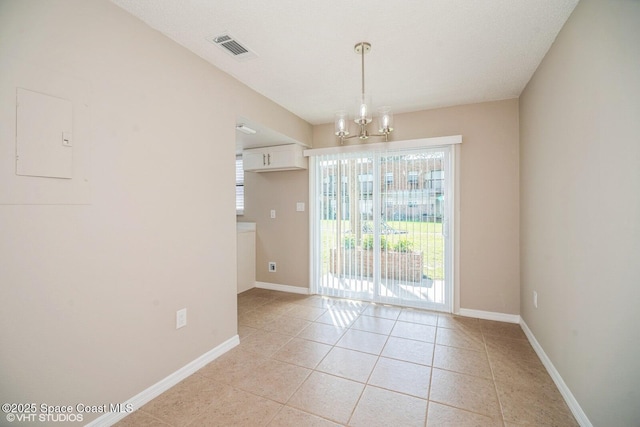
[181, 318]
[535, 299]
[273, 213]
[272, 267]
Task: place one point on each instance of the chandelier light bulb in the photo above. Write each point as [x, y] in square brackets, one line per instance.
[363, 115]
[385, 118]
[341, 124]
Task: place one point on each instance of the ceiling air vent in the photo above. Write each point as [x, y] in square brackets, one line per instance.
[232, 46]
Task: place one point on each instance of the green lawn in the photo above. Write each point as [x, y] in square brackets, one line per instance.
[425, 237]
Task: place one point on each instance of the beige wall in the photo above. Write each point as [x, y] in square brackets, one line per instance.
[580, 211]
[489, 213]
[285, 239]
[90, 292]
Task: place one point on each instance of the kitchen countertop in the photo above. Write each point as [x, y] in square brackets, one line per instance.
[245, 227]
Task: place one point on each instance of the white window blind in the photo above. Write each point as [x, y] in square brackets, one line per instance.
[380, 225]
[239, 186]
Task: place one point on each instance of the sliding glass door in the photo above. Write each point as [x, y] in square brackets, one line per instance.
[381, 226]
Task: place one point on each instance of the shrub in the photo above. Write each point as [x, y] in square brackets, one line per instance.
[367, 242]
[349, 242]
[403, 245]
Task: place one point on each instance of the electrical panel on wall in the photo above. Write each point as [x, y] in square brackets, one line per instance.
[44, 139]
[45, 135]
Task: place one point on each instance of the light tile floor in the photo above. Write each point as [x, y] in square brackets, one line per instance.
[314, 361]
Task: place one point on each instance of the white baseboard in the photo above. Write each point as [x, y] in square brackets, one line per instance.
[573, 404]
[490, 315]
[282, 288]
[165, 384]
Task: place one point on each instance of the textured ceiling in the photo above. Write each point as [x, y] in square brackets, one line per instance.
[425, 53]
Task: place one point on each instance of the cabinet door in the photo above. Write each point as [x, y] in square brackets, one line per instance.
[254, 160]
[276, 158]
[279, 159]
[286, 157]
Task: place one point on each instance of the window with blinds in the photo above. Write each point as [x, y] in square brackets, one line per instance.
[239, 186]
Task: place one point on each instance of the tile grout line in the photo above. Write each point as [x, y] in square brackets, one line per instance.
[433, 358]
[493, 376]
[366, 383]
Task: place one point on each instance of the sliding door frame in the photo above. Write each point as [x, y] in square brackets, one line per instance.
[452, 255]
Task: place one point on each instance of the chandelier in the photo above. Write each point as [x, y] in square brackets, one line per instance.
[363, 113]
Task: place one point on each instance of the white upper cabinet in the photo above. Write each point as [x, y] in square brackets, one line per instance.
[276, 158]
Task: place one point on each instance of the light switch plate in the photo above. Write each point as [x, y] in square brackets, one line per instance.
[300, 207]
[181, 318]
